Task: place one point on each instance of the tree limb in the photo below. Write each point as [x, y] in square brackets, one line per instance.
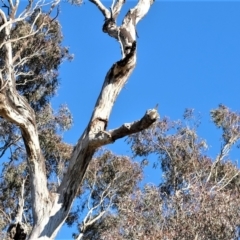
[15, 108]
[129, 128]
[106, 137]
[102, 8]
[17, 229]
[51, 209]
[117, 8]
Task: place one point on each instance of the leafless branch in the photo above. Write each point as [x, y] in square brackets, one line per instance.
[19, 38]
[102, 8]
[116, 7]
[6, 215]
[228, 181]
[18, 218]
[4, 18]
[13, 8]
[30, 73]
[223, 153]
[105, 137]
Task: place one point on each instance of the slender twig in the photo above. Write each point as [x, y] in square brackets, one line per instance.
[228, 181]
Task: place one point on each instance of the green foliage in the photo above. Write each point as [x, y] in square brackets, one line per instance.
[197, 199]
[36, 60]
[228, 121]
[109, 179]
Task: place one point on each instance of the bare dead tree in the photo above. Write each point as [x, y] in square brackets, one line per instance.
[51, 208]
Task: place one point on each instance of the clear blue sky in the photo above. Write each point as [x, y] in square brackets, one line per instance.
[188, 57]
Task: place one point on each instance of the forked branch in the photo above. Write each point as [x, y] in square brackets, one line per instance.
[51, 209]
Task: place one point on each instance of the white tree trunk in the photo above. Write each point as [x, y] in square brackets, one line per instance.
[51, 209]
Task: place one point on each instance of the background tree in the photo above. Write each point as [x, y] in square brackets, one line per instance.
[36, 61]
[108, 180]
[197, 198]
[33, 204]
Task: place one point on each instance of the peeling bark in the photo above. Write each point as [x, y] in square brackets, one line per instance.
[51, 209]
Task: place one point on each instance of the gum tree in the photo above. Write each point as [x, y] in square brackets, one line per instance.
[198, 196]
[27, 44]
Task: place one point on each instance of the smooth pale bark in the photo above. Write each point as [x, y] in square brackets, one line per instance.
[51, 209]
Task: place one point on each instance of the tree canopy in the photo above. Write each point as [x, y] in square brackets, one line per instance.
[46, 182]
[198, 197]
